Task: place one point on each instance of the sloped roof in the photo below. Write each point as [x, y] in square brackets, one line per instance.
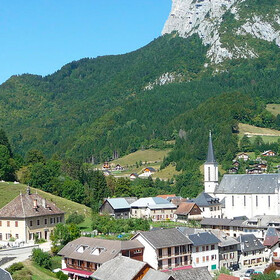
[151, 169]
[152, 203]
[205, 200]
[271, 237]
[249, 242]
[203, 238]
[111, 249]
[5, 275]
[185, 208]
[198, 273]
[227, 277]
[156, 275]
[222, 222]
[164, 238]
[121, 202]
[225, 240]
[119, 268]
[248, 183]
[23, 206]
[166, 196]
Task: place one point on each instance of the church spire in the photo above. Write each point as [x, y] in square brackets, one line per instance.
[210, 155]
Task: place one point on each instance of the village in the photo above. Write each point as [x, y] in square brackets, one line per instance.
[232, 226]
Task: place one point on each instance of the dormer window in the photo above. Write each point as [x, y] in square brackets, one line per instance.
[82, 248]
[97, 251]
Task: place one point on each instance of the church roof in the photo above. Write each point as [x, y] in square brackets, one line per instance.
[205, 200]
[210, 156]
[249, 184]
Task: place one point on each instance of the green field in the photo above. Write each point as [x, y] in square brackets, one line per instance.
[268, 135]
[273, 108]
[9, 191]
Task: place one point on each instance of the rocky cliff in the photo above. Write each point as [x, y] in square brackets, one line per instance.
[229, 27]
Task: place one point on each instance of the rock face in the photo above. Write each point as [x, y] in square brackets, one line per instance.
[208, 19]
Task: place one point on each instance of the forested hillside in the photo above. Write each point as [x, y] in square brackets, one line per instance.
[93, 107]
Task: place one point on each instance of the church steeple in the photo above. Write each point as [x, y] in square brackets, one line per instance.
[210, 156]
[210, 169]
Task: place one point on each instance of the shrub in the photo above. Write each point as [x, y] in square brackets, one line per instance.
[43, 259]
[15, 267]
[23, 274]
[75, 218]
[61, 276]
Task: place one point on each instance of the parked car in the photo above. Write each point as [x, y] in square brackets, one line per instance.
[249, 272]
[234, 267]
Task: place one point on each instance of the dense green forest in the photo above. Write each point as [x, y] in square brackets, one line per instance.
[93, 107]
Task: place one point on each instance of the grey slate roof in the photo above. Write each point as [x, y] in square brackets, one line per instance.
[164, 238]
[157, 275]
[4, 275]
[205, 200]
[262, 221]
[119, 268]
[249, 183]
[221, 222]
[119, 203]
[225, 240]
[199, 273]
[249, 242]
[210, 154]
[203, 238]
[187, 230]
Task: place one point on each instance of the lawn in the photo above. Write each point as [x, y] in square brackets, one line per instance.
[39, 273]
[273, 108]
[9, 191]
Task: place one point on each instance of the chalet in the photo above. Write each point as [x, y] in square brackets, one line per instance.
[127, 269]
[233, 170]
[133, 176]
[188, 211]
[148, 171]
[251, 251]
[272, 243]
[119, 167]
[211, 207]
[205, 250]
[263, 166]
[255, 170]
[106, 165]
[165, 248]
[155, 208]
[27, 216]
[83, 256]
[243, 156]
[236, 163]
[268, 153]
[118, 208]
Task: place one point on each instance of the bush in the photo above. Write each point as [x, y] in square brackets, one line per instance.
[75, 218]
[61, 276]
[43, 259]
[23, 274]
[15, 267]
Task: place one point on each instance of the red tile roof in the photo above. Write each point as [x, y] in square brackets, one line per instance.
[165, 196]
[23, 206]
[227, 277]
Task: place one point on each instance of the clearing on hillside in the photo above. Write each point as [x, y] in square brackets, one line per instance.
[273, 108]
[9, 191]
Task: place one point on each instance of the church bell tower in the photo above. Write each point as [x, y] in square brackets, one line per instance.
[210, 169]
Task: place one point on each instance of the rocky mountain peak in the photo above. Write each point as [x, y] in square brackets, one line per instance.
[215, 20]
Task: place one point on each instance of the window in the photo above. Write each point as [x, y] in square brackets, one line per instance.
[169, 252]
[269, 201]
[207, 248]
[88, 264]
[213, 257]
[16, 236]
[208, 173]
[203, 259]
[177, 250]
[16, 223]
[8, 223]
[38, 222]
[212, 247]
[197, 249]
[80, 263]
[203, 248]
[57, 219]
[0, 223]
[169, 263]
[1, 236]
[257, 202]
[160, 253]
[46, 221]
[207, 258]
[232, 200]
[197, 260]
[160, 264]
[244, 200]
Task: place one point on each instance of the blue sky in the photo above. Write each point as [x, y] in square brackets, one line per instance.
[40, 36]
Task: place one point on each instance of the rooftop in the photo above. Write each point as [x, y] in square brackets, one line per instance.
[203, 238]
[153, 203]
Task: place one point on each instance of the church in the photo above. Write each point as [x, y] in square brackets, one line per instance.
[242, 194]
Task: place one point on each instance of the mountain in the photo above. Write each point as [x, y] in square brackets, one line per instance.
[177, 87]
[229, 27]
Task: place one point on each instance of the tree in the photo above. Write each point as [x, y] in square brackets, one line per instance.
[34, 156]
[245, 144]
[73, 190]
[43, 259]
[5, 142]
[7, 164]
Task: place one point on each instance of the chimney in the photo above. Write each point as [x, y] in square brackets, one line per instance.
[44, 202]
[35, 204]
[28, 190]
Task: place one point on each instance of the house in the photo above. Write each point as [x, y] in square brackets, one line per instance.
[271, 242]
[27, 216]
[156, 208]
[243, 156]
[205, 250]
[127, 269]
[133, 176]
[269, 153]
[147, 172]
[197, 273]
[210, 206]
[119, 167]
[107, 172]
[236, 163]
[251, 251]
[118, 208]
[106, 165]
[83, 256]
[233, 170]
[188, 211]
[167, 196]
[228, 249]
[165, 248]
[255, 170]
